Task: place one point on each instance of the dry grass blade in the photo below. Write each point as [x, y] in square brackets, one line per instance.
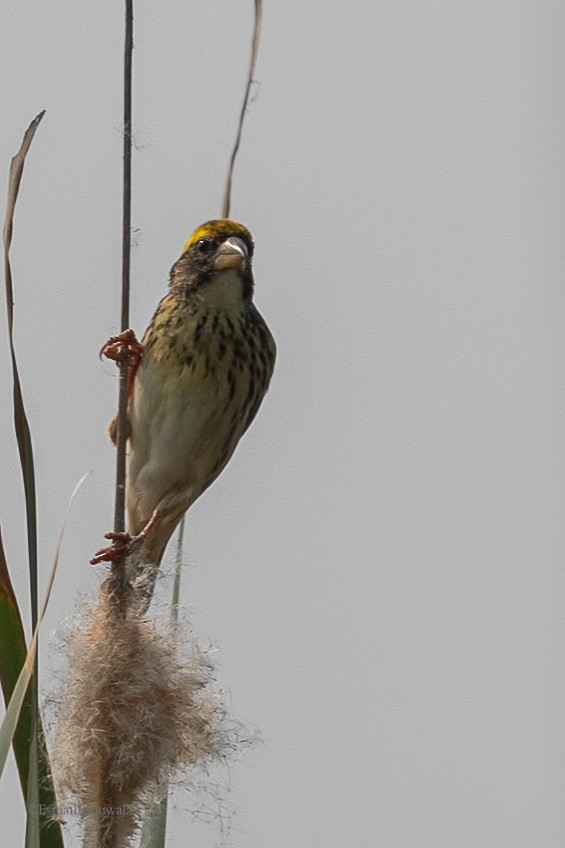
[13, 652]
[29, 744]
[8, 725]
[252, 62]
[20, 419]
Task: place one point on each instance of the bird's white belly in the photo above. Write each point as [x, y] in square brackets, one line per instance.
[177, 427]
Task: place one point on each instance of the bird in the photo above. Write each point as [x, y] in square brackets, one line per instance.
[196, 383]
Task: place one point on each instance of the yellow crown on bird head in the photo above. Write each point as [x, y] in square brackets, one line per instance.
[221, 228]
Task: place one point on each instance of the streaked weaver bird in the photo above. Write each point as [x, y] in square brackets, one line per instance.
[196, 383]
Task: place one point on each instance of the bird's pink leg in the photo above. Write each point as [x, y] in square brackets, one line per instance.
[124, 346]
[124, 544]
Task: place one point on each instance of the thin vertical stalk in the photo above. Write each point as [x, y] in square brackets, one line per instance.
[178, 565]
[252, 61]
[119, 509]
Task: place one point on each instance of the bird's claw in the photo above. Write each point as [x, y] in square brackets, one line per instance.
[123, 346]
[123, 544]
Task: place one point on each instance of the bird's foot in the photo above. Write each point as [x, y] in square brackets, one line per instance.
[123, 544]
[123, 346]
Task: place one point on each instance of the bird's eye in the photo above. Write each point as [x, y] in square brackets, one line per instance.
[203, 245]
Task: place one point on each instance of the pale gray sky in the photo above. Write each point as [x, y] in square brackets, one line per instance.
[381, 565]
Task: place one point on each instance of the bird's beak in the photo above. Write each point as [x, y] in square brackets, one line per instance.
[232, 253]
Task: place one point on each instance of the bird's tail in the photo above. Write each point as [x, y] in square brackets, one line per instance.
[143, 565]
[143, 578]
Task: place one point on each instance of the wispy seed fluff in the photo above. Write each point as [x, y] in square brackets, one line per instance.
[136, 709]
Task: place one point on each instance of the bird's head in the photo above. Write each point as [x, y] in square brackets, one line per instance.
[215, 250]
